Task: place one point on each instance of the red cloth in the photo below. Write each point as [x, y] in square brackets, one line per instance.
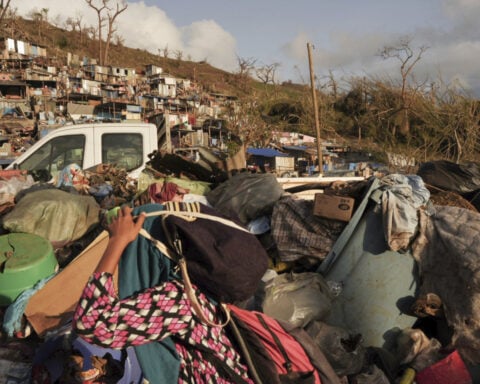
[450, 370]
[163, 192]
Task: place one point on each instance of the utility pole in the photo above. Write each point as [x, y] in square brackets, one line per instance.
[315, 109]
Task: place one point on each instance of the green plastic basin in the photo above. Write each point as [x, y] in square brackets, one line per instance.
[25, 259]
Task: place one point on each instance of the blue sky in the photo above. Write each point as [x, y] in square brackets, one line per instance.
[346, 34]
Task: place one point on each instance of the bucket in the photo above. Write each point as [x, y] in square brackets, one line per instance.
[25, 259]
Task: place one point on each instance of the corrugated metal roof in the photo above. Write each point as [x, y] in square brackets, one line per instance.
[266, 152]
[295, 147]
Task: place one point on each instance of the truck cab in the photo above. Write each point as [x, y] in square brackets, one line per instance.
[125, 145]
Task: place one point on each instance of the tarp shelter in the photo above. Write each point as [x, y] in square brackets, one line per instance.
[77, 110]
[269, 159]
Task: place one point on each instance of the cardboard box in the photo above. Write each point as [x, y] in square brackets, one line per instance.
[333, 207]
[53, 305]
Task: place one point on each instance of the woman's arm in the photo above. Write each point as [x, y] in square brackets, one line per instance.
[101, 318]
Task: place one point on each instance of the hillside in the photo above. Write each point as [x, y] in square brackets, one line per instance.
[368, 113]
[59, 42]
[275, 101]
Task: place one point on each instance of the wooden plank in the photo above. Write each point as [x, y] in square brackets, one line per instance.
[289, 182]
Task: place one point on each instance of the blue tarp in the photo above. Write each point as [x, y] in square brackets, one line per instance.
[266, 152]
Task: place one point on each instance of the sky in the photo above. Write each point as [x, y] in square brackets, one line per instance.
[346, 35]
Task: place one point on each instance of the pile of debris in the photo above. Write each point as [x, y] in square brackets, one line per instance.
[381, 273]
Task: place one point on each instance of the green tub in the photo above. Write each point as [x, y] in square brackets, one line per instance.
[25, 259]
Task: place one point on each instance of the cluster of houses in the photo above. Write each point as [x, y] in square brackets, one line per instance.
[52, 93]
[56, 89]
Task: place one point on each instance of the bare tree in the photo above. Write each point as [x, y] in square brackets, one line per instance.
[101, 21]
[56, 20]
[75, 24]
[112, 14]
[11, 21]
[38, 17]
[245, 65]
[408, 58]
[266, 73]
[333, 84]
[165, 51]
[4, 4]
[178, 53]
[90, 32]
[245, 68]
[458, 114]
[108, 14]
[299, 73]
[70, 25]
[44, 18]
[246, 121]
[119, 40]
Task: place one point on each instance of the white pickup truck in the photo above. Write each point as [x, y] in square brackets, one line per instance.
[126, 145]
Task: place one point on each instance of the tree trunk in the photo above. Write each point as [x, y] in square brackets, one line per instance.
[405, 122]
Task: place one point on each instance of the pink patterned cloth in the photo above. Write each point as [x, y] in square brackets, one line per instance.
[103, 319]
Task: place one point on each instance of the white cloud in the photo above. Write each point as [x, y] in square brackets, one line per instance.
[297, 47]
[342, 54]
[453, 49]
[149, 28]
[446, 61]
[461, 8]
[350, 50]
[57, 7]
[208, 40]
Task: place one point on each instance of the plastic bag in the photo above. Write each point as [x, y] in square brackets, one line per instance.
[297, 298]
[371, 375]
[246, 196]
[58, 216]
[10, 188]
[343, 350]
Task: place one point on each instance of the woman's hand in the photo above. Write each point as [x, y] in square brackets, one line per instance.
[123, 230]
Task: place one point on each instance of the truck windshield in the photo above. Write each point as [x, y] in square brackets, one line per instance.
[56, 154]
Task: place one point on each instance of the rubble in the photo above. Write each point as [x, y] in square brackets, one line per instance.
[398, 279]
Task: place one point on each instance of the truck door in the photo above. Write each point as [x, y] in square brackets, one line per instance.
[56, 154]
